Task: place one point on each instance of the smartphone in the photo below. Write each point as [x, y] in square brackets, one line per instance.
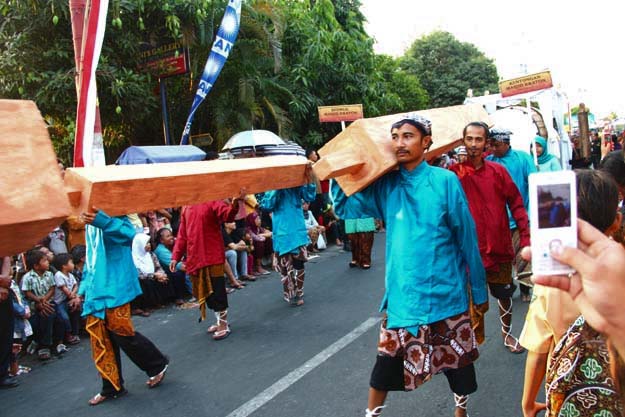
[553, 219]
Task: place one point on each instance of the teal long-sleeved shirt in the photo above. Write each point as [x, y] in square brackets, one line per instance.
[289, 229]
[519, 165]
[163, 254]
[432, 249]
[110, 278]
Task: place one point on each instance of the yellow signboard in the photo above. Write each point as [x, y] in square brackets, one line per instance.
[344, 113]
[525, 84]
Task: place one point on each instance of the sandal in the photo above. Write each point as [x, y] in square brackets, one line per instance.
[248, 278]
[219, 316]
[157, 379]
[375, 412]
[99, 398]
[229, 290]
[515, 347]
[365, 266]
[222, 334]
[299, 301]
[43, 354]
[353, 264]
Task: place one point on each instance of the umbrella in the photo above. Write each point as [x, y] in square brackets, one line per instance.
[252, 138]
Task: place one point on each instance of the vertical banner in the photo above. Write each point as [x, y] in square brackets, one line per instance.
[226, 35]
[88, 146]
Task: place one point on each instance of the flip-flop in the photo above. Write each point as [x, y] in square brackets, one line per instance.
[157, 379]
[99, 398]
[221, 334]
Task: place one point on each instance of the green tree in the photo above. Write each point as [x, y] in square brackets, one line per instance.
[447, 68]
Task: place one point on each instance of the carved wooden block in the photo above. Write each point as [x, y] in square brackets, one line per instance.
[33, 199]
[362, 153]
[123, 189]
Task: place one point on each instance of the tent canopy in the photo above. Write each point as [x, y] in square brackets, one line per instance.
[159, 154]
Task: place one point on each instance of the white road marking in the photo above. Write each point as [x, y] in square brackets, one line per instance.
[295, 375]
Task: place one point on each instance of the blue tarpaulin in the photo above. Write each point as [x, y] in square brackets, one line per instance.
[159, 154]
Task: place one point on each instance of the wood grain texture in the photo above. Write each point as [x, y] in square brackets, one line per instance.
[123, 189]
[33, 199]
[369, 141]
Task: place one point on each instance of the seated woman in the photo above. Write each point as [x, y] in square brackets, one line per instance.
[164, 246]
[313, 228]
[155, 285]
[261, 241]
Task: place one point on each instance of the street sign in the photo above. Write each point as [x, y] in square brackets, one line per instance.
[165, 60]
[525, 84]
[342, 113]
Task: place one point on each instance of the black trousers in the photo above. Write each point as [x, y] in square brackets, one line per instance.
[141, 351]
[6, 337]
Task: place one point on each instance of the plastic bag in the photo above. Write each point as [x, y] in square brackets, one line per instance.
[321, 243]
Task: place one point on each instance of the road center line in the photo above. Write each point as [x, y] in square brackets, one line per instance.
[295, 375]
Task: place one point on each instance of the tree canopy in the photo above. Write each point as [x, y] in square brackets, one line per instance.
[290, 57]
[447, 68]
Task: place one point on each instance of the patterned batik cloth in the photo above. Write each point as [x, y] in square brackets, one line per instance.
[579, 382]
[292, 277]
[439, 346]
[117, 320]
[202, 286]
[361, 244]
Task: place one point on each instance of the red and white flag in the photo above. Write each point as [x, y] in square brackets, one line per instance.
[88, 146]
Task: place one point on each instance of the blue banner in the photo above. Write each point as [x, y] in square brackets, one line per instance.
[226, 35]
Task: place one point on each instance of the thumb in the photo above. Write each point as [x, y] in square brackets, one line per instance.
[574, 258]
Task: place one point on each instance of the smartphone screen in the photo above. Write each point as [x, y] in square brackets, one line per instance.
[554, 206]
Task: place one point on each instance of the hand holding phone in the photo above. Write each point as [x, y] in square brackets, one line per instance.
[553, 219]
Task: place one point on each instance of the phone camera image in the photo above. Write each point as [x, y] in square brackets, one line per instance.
[554, 205]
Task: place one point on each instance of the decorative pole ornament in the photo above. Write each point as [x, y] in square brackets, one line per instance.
[224, 41]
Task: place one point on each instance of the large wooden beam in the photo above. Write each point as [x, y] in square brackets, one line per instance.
[33, 199]
[123, 189]
[362, 153]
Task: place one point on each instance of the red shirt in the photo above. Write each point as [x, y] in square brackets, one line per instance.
[489, 189]
[199, 236]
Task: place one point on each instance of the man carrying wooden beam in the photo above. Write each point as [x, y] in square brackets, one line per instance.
[109, 284]
[432, 258]
[200, 240]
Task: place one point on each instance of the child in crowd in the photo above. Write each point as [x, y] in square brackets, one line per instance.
[22, 328]
[38, 287]
[552, 312]
[79, 255]
[249, 243]
[66, 297]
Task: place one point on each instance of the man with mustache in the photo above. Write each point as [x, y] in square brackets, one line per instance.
[431, 258]
[489, 188]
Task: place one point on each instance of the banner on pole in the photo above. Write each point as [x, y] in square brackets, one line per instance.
[224, 41]
[88, 146]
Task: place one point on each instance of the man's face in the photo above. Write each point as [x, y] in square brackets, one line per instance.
[462, 158]
[409, 144]
[475, 141]
[499, 148]
[230, 226]
[312, 156]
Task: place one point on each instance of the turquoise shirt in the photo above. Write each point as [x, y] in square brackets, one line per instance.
[550, 166]
[163, 254]
[432, 250]
[519, 165]
[289, 230]
[110, 278]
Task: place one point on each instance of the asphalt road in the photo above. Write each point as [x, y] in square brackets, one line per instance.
[279, 361]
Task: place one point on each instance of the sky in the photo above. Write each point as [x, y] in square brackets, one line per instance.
[582, 43]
